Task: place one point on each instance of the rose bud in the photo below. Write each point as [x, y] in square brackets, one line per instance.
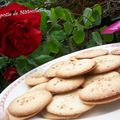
[10, 74]
[112, 28]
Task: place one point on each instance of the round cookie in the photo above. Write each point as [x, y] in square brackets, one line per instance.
[103, 91]
[39, 87]
[11, 117]
[35, 81]
[51, 116]
[115, 51]
[104, 76]
[91, 53]
[61, 85]
[37, 74]
[67, 104]
[29, 103]
[51, 71]
[106, 63]
[75, 68]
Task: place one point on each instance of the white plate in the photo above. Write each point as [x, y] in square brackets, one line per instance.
[109, 111]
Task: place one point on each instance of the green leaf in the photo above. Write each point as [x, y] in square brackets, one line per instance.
[41, 49]
[97, 14]
[68, 27]
[53, 44]
[97, 38]
[108, 37]
[23, 65]
[53, 15]
[37, 52]
[44, 19]
[43, 59]
[78, 25]
[55, 27]
[80, 19]
[45, 49]
[53, 48]
[68, 15]
[87, 13]
[97, 17]
[3, 83]
[28, 4]
[60, 13]
[58, 35]
[98, 8]
[2, 62]
[102, 28]
[91, 43]
[87, 17]
[79, 36]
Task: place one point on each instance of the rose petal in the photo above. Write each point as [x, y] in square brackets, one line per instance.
[6, 47]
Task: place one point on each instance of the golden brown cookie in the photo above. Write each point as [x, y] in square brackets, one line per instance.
[11, 117]
[104, 76]
[51, 71]
[91, 53]
[116, 51]
[106, 63]
[102, 91]
[74, 68]
[29, 103]
[61, 85]
[51, 116]
[35, 81]
[67, 104]
[39, 87]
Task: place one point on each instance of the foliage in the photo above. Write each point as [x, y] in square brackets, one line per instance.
[63, 32]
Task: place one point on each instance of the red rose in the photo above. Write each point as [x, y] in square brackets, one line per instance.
[19, 34]
[10, 74]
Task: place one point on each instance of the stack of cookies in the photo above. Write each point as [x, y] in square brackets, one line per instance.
[67, 89]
